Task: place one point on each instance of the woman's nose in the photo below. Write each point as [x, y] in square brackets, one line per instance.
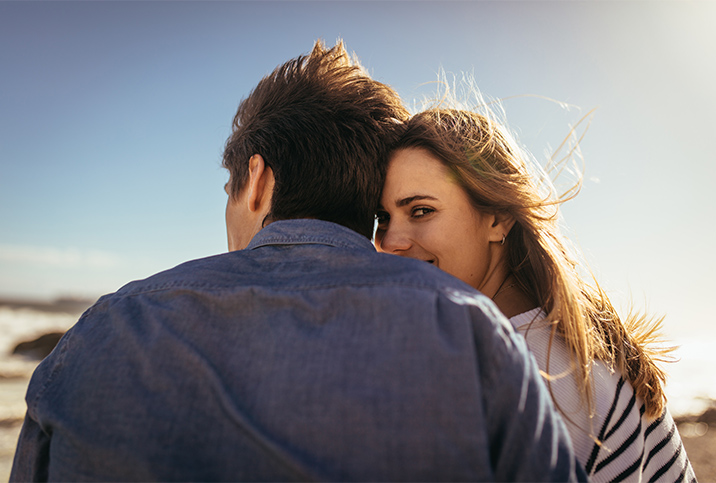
[392, 240]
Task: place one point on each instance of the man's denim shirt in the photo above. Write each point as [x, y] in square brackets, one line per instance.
[307, 356]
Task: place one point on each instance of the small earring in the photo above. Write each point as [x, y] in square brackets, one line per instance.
[503, 239]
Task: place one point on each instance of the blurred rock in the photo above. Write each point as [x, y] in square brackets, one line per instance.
[708, 417]
[10, 422]
[38, 348]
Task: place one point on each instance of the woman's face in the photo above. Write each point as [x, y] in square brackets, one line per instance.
[426, 215]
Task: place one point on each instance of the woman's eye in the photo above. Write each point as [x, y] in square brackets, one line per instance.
[382, 217]
[422, 211]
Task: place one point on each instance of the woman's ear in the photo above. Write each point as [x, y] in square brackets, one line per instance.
[500, 226]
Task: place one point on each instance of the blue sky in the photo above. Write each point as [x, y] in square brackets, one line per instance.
[113, 117]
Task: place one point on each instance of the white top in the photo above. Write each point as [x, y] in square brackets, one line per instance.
[633, 448]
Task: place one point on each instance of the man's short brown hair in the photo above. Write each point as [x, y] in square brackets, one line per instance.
[323, 126]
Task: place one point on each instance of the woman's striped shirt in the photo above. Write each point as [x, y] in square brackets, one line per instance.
[619, 443]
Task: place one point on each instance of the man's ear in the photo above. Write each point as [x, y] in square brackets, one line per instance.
[260, 185]
[500, 226]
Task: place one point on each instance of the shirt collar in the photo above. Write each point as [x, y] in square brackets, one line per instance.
[308, 232]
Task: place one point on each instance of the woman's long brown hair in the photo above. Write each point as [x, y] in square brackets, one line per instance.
[491, 168]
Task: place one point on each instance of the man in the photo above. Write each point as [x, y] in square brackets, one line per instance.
[301, 354]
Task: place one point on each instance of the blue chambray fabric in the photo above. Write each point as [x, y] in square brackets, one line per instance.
[307, 356]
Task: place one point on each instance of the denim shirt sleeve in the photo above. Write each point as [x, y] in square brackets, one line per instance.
[32, 455]
[528, 439]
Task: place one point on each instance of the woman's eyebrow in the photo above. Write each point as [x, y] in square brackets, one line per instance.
[410, 199]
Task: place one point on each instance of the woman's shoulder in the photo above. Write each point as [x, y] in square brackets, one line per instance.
[629, 444]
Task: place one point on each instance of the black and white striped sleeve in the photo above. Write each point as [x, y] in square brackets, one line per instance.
[632, 448]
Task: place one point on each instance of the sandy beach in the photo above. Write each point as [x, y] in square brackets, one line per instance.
[12, 407]
[699, 436]
[8, 439]
[702, 453]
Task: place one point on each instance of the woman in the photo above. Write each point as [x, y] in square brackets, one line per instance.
[459, 195]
